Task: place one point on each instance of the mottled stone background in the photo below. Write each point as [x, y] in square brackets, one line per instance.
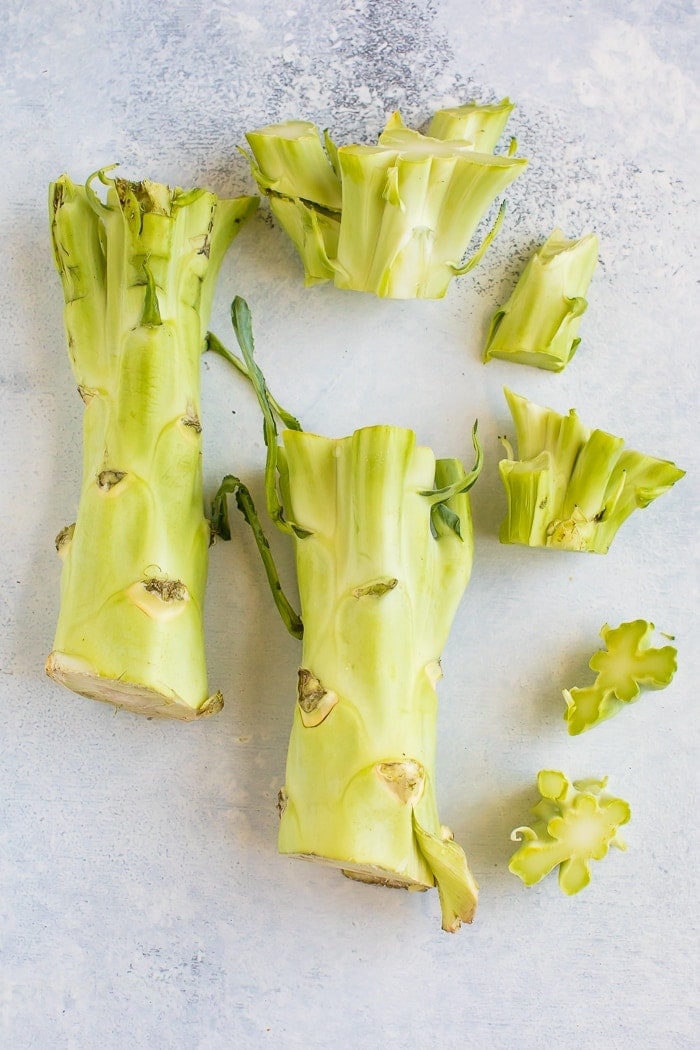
[142, 901]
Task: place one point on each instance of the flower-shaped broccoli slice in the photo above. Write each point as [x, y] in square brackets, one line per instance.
[577, 823]
[628, 664]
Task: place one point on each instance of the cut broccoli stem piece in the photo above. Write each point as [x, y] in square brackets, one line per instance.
[539, 324]
[624, 668]
[138, 273]
[292, 163]
[411, 206]
[383, 540]
[572, 488]
[297, 175]
[395, 218]
[577, 823]
[479, 125]
[378, 593]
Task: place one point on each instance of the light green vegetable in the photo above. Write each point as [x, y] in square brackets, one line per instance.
[383, 539]
[395, 218]
[572, 487]
[627, 664]
[539, 323]
[576, 823]
[479, 125]
[138, 273]
[295, 173]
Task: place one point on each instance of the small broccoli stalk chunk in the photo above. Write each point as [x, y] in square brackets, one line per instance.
[572, 488]
[394, 218]
[539, 323]
[576, 823]
[138, 272]
[382, 533]
[624, 668]
[296, 174]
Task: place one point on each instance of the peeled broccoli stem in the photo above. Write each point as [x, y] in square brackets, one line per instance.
[138, 275]
[383, 539]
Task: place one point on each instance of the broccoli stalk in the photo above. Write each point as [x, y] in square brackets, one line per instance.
[293, 170]
[395, 218]
[539, 323]
[572, 487]
[383, 539]
[138, 274]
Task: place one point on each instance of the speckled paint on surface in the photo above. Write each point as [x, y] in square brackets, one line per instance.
[142, 901]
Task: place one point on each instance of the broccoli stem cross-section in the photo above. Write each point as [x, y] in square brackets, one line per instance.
[576, 823]
[627, 664]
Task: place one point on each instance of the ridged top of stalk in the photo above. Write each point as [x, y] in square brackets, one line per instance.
[137, 256]
[395, 217]
[480, 125]
[573, 486]
[413, 145]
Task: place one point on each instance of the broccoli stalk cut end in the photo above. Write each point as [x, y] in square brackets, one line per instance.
[576, 823]
[628, 664]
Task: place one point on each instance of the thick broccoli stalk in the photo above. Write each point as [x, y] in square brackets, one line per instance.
[395, 218]
[577, 823]
[378, 591]
[572, 488]
[138, 275]
[539, 324]
[383, 539]
[627, 664]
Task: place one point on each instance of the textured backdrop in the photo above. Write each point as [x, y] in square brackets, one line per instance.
[142, 900]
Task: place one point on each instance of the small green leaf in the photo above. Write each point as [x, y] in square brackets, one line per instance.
[150, 316]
